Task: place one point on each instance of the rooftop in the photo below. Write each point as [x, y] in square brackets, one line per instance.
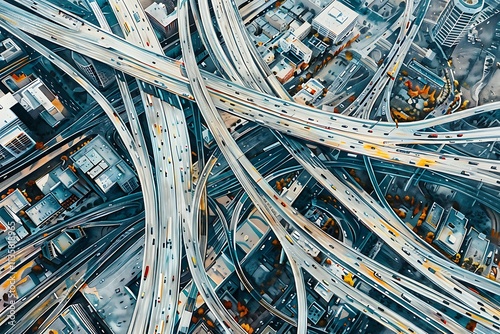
[434, 216]
[248, 236]
[15, 201]
[158, 11]
[469, 4]
[315, 312]
[220, 270]
[268, 330]
[313, 86]
[9, 50]
[44, 209]
[477, 246]
[6, 115]
[337, 17]
[452, 232]
[73, 319]
[101, 163]
[323, 291]
[55, 177]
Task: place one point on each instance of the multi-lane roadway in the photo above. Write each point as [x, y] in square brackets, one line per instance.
[140, 55]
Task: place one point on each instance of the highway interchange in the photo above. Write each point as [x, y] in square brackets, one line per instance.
[171, 226]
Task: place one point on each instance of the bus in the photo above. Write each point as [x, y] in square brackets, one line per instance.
[193, 259]
[150, 99]
[160, 287]
[146, 272]
[169, 230]
[136, 17]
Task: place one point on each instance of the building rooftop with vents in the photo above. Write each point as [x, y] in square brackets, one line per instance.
[99, 161]
[46, 208]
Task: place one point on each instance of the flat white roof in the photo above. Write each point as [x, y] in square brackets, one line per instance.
[6, 115]
[337, 17]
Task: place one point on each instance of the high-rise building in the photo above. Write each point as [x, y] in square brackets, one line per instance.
[454, 21]
[162, 18]
[14, 140]
[101, 75]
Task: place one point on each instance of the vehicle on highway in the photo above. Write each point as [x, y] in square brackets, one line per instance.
[146, 272]
[405, 297]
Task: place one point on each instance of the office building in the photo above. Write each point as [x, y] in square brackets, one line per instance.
[11, 228]
[279, 19]
[102, 164]
[283, 70]
[335, 21]
[14, 141]
[310, 91]
[48, 207]
[291, 43]
[477, 246]
[39, 101]
[162, 19]
[455, 20]
[63, 184]
[302, 30]
[99, 74]
[315, 312]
